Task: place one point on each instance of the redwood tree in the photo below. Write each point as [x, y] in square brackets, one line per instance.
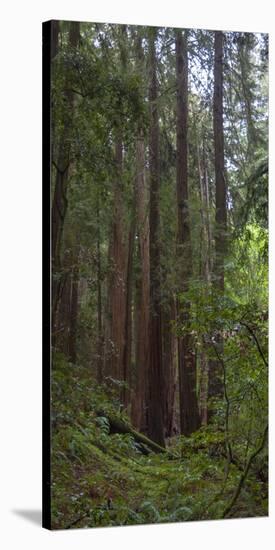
[156, 379]
[143, 282]
[215, 374]
[63, 167]
[143, 293]
[189, 413]
[117, 276]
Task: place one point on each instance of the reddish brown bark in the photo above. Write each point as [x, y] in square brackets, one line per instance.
[120, 255]
[140, 394]
[205, 272]
[127, 356]
[189, 413]
[142, 303]
[215, 375]
[117, 279]
[156, 379]
[169, 346]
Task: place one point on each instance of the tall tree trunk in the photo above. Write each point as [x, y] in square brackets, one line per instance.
[156, 379]
[66, 321]
[244, 50]
[140, 397]
[127, 356]
[205, 271]
[74, 309]
[206, 233]
[169, 343]
[215, 374]
[63, 320]
[189, 413]
[221, 214]
[120, 248]
[142, 304]
[63, 169]
[100, 343]
[117, 279]
[55, 29]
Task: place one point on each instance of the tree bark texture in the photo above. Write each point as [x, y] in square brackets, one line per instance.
[244, 49]
[117, 279]
[169, 348]
[142, 303]
[100, 338]
[74, 311]
[189, 413]
[215, 375]
[59, 203]
[66, 321]
[139, 404]
[127, 356]
[54, 38]
[156, 379]
[220, 186]
[205, 272]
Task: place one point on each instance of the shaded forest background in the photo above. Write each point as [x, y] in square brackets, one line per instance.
[159, 151]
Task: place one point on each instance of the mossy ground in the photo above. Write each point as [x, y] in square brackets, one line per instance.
[100, 479]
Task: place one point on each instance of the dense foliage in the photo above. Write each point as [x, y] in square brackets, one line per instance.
[100, 479]
[159, 274]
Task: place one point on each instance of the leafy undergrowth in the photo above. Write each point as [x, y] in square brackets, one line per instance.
[102, 479]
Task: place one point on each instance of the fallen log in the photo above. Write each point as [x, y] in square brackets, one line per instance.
[117, 425]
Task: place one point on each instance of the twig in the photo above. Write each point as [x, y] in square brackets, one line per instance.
[256, 341]
[244, 476]
[228, 445]
[77, 520]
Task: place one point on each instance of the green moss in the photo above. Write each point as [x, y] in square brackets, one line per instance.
[100, 479]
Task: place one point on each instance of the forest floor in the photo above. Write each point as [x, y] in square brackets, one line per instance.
[102, 479]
